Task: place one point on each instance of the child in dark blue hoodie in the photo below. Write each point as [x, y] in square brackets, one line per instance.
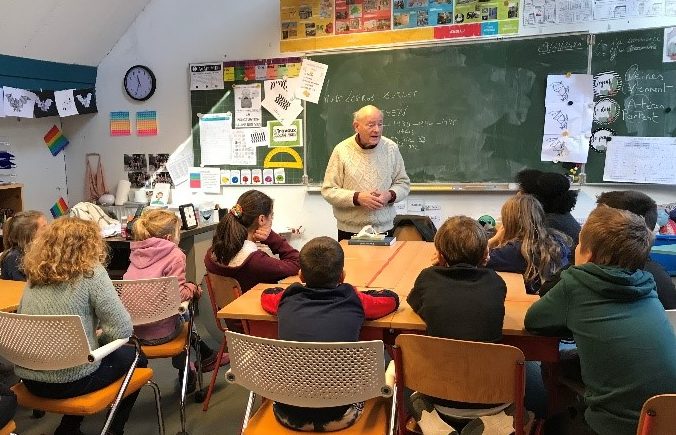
[626, 344]
[324, 310]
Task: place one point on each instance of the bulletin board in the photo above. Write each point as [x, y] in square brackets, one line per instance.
[203, 102]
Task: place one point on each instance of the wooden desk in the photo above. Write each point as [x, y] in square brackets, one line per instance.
[10, 294]
[363, 264]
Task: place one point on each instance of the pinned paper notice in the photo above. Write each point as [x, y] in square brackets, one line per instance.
[311, 80]
[215, 138]
[280, 176]
[280, 100]
[248, 106]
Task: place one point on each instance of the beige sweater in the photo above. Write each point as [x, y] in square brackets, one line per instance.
[353, 169]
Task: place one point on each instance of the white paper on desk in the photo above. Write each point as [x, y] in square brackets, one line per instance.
[311, 80]
[641, 160]
[557, 148]
[18, 102]
[561, 89]
[243, 153]
[248, 112]
[206, 76]
[282, 105]
[179, 163]
[216, 138]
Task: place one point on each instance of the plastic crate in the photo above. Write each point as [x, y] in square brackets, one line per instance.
[667, 257]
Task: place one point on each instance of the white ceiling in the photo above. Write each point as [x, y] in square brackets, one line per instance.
[68, 31]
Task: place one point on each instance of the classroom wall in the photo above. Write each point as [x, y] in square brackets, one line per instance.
[167, 36]
[42, 175]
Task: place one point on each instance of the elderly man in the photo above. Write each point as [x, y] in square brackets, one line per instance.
[365, 176]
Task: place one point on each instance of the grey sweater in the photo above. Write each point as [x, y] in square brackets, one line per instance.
[95, 300]
[353, 169]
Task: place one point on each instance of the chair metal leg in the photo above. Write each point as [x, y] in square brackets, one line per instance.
[393, 413]
[158, 407]
[123, 388]
[214, 375]
[184, 386]
[249, 407]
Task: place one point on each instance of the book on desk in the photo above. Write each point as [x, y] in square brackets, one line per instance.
[384, 241]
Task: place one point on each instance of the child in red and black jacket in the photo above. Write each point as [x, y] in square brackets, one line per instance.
[324, 310]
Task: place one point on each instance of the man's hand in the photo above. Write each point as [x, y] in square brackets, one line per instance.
[370, 200]
[385, 195]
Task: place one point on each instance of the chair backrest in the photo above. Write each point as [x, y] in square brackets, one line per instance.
[150, 300]
[463, 371]
[407, 232]
[40, 342]
[658, 416]
[311, 375]
[671, 315]
[222, 290]
[413, 227]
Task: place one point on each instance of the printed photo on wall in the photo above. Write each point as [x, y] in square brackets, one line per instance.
[157, 161]
[135, 162]
[163, 177]
[138, 178]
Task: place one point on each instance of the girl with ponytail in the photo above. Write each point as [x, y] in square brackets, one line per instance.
[155, 254]
[234, 252]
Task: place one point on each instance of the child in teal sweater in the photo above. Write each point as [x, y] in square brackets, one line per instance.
[626, 345]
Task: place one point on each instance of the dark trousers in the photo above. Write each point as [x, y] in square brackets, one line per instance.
[346, 235]
[7, 405]
[112, 368]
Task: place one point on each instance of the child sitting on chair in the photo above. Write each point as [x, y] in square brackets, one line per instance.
[18, 232]
[324, 310]
[626, 344]
[155, 254]
[458, 298]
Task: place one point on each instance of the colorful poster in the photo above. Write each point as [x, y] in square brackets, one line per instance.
[146, 123]
[476, 11]
[306, 18]
[354, 16]
[420, 13]
[120, 124]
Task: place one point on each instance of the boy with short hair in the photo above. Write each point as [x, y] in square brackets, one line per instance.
[325, 309]
[457, 297]
[641, 204]
[626, 344]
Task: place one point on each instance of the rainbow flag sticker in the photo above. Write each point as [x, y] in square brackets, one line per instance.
[120, 124]
[146, 123]
[55, 140]
[59, 208]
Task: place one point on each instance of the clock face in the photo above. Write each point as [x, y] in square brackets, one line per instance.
[139, 82]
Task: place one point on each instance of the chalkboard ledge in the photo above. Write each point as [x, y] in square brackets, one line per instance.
[448, 187]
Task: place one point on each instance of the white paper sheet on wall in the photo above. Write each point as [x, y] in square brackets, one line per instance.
[215, 138]
[641, 160]
[179, 164]
[248, 111]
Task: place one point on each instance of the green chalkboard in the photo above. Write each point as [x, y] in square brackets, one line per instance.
[467, 113]
[635, 91]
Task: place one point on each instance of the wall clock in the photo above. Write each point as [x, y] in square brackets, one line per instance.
[139, 82]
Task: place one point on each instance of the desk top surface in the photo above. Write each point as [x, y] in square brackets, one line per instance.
[395, 267]
[10, 294]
